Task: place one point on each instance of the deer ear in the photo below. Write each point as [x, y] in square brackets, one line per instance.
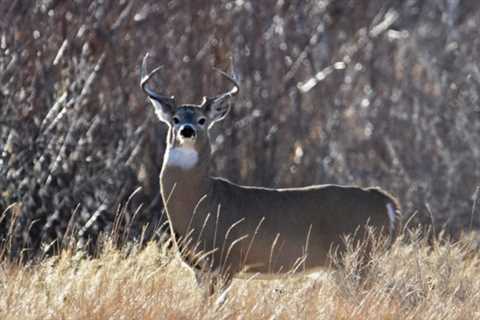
[215, 109]
[163, 109]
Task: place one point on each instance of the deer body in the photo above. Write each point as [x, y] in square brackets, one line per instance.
[297, 219]
[222, 229]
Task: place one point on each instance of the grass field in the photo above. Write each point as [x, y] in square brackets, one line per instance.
[413, 280]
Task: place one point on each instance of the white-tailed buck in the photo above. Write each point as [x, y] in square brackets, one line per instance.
[222, 229]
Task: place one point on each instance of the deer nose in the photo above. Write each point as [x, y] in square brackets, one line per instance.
[187, 131]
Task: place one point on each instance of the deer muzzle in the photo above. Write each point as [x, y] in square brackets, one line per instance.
[187, 132]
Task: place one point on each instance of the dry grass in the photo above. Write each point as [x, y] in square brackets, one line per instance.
[411, 281]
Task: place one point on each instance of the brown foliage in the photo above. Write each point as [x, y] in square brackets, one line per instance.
[351, 92]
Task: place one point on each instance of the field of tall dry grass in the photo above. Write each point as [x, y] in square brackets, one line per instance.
[416, 279]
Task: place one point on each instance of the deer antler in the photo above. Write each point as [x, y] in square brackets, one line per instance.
[144, 77]
[232, 92]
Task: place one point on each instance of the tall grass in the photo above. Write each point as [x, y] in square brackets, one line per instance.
[415, 279]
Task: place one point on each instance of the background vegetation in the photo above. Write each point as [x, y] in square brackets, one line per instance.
[350, 92]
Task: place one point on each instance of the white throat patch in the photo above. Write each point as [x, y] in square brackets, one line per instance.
[182, 157]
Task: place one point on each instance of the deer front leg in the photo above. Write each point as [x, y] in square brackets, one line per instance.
[212, 282]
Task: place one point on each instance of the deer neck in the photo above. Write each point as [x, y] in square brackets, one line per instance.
[184, 181]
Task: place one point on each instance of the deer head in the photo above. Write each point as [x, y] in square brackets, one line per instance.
[188, 123]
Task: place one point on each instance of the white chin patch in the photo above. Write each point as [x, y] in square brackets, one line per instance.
[186, 142]
[182, 157]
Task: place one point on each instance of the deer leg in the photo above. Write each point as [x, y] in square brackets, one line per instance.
[212, 282]
[207, 281]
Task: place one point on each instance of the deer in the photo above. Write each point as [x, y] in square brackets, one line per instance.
[224, 230]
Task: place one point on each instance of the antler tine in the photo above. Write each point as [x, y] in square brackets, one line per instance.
[232, 92]
[144, 78]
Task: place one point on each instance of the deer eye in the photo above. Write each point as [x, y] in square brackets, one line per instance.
[201, 121]
[176, 120]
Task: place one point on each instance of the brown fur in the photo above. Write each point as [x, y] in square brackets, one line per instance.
[223, 229]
